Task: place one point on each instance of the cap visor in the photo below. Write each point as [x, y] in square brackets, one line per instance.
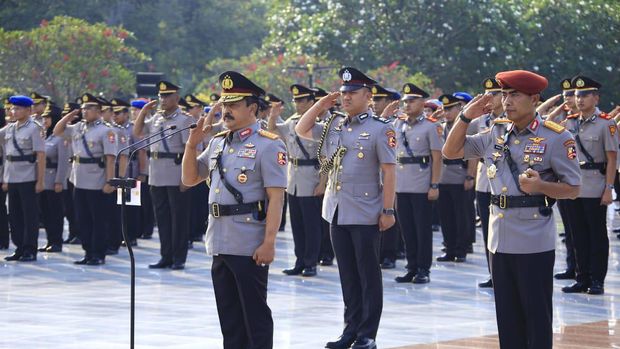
[408, 98]
[349, 88]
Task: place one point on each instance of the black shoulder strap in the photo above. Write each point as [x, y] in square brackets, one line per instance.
[511, 163]
[15, 144]
[301, 147]
[582, 149]
[218, 163]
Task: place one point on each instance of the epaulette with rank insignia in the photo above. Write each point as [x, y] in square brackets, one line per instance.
[268, 134]
[573, 116]
[604, 116]
[381, 119]
[221, 134]
[502, 121]
[431, 119]
[37, 123]
[557, 128]
[295, 117]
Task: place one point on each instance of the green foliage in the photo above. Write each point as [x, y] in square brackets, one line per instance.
[67, 56]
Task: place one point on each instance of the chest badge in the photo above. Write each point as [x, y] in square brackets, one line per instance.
[496, 155]
[249, 145]
[360, 155]
[491, 171]
[535, 148]
[536, 140]
[242, 178]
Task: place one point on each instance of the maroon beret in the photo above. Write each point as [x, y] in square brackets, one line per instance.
[522, 80]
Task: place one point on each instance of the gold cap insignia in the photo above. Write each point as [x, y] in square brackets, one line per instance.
[566, 84]
[163, 86]
[580, 83]
[85, 99]
[488, 83]
[227, 83]
[32, 95]
[188, 99]
[114, 102]
[445, 100]
[346, 76]
[374, 90]
[295, 90]
[407, 89]
[267, 98]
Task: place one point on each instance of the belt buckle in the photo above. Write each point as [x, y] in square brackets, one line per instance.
[503, 201]
[215, 207]
[155, 155]
[295, 162]
[77, 159]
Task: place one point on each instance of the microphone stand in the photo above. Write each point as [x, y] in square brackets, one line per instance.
[126, 184]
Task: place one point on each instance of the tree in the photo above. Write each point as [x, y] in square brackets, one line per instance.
[66, 56]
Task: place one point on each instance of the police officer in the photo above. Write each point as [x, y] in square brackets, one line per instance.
[530, 163]
[391, 238]
[597, 146]
[246, 168]
[39, 104]
[417, 181]
[68, 194]
[51, 199]
[147, 216]
[483, 190]
[359, 204]
[4, 218]
[568, 107]
[304, 189]
[24, 170]
[455, 184]
[170, 196]
[94, 147]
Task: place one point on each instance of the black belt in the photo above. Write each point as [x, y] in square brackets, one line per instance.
[218, 210]
[453, 161]
[163, 155]
[504, 201]
[304, 162]
[593, 165]
[17, 158]
[414, 160]
[83, 160]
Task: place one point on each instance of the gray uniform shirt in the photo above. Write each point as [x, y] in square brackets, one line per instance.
[354, 186]
[423, 135]
[302, 180]
[57, 156]
[90, 140]
[548, 151]
[24, 139]
[452, 173]
[597, 135]
[165, 172]
[263, 160]
[481, 124]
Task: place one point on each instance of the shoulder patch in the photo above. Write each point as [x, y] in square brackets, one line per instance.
[604, 116]
[380, 119]
[221, 134]
[557, 128]
[573, 116]
[268, 134]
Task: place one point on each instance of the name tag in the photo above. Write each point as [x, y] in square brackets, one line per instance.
[534, 148]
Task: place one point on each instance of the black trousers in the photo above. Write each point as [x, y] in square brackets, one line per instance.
[171, 207]
[240, 288]
[484, 201]
[470, 209]
[415, 214]
[455, 219]
[283, 219]
[23, 217]
[357, 252]
[568, 235]
[91, 210]
[114, 232]
[588, 225]
[305, 215]
[327, 250]
[4, 221]
[199, 210]
[147, 215]
[69, 210]
[51, 204]
[523, 285]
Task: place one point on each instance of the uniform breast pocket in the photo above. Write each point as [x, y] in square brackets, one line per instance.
[244, 170]
[530, 213]
[24, 142]
[366, 191]
[363, 148]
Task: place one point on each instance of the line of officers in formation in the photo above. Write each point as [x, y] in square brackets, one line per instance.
[352, 163]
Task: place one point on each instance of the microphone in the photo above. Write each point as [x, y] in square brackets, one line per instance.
[157, 140]
[118, 154]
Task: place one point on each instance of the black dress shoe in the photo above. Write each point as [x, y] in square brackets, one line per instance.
[4, 247]
[445, 258]
[343, 342]
[162, 264]
[577, 287]
[401, 255]
[177, 266]
[293, 271]
[388, 264]
[562, 235]
[82, 261]
[111, 252]
[190, 245]
[364, 343]
[462, 259]
[436, 227]
[422, 277]
[96, 261]
[28, 257]
[443, 249]
[133, 243]
[470, 249]
[565, 275]
[486, 284]
[596, 288]
[146, 236]
[75, 241]
[53, 249]
[309, 271]
[13, 257]
[617, 230]
[197, 238]
[405, 278]
[326, 262]
[42, 249]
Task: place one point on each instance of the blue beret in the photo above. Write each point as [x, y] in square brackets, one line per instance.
[21, 101]
[207, 109]
[138, 103]
[464, 96]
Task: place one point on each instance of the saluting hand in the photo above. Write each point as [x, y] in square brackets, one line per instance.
[197, 134]
[390, 109]
[476, 107]
[150, 105]
[276, 109]
[530, 181]
[329, 101]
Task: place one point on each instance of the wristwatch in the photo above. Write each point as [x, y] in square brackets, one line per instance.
[610, 186]
[388, 211]
[464, 118]
[434, 186]
[469, 178]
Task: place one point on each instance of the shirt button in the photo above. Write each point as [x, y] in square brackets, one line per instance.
[349, 129]
[242, 168]
[500, 215]
[504, 189]
[231, 150]
[217, 190]
[224, 170]
[338, 187]
[365, 194]
[340, 167]
[517, 142]
[247, 219]
[535, 215]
